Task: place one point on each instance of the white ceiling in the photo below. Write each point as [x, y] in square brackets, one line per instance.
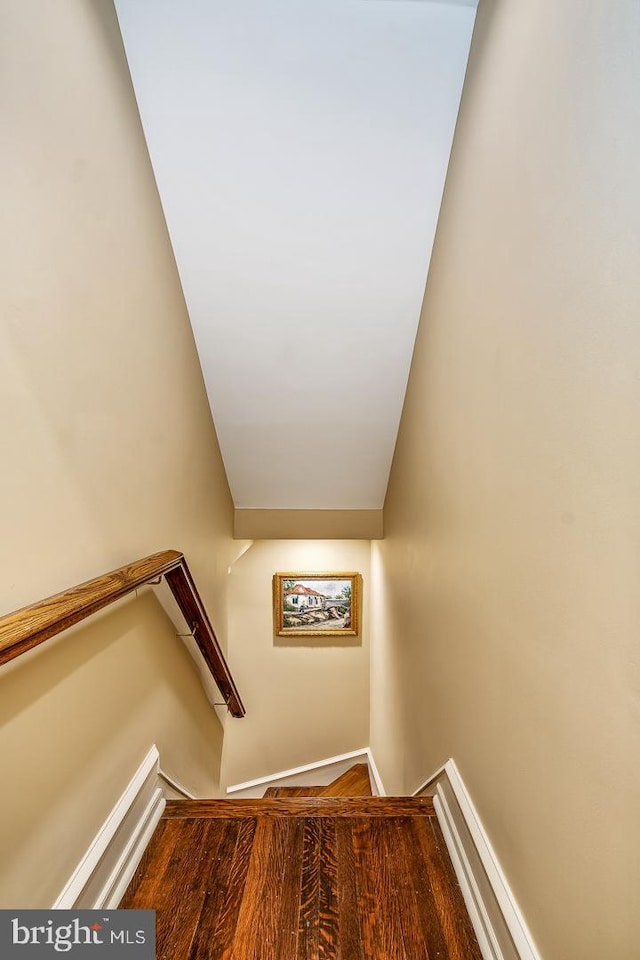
[300, 149]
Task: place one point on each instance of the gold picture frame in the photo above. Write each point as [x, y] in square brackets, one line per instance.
[316, 604]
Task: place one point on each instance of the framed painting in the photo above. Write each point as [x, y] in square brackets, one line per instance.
[316, 604]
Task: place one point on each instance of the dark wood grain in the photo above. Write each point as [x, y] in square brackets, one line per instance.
[146, 881]
[329, 919]
[225, 889]
[180, 895]
[227, 922]
[418, 917]
[26, 628]
[267, 922]
[349, 906]
[319, 911]
[302, 807]
[289, 893]
[447, 898]
[379, 927]
[293, 792]
[309, 913]
[305, 887]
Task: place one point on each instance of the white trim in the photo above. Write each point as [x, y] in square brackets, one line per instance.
[127, 864]
[481, 912]
[489, 947]
[117, 848]
[175, 785]
[296, 771]
[430, 780]
[511, 912]
[375, 773]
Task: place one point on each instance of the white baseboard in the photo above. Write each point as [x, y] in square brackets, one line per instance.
[500, 927]
[320, 773]
[176, 786]
[429, 785]
[378, 785]
[103, 874]
[489, 945]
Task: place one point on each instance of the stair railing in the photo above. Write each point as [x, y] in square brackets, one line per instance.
[26, 628]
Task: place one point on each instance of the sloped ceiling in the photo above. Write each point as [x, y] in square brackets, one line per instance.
[300, 149]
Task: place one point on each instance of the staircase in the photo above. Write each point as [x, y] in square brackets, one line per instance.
[307, 873]
[353, 783]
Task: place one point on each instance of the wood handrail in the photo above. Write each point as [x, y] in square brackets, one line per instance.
[26, 628]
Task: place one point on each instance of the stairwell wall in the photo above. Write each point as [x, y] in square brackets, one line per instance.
[506, 606]
[307, 699]
[108, 448]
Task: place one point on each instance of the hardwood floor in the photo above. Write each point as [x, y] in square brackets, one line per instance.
[316, 878]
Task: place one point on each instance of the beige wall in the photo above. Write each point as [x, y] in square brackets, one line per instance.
[108, 449]
[506, 593]
[76, 720]
[306, 699]
[308, 524]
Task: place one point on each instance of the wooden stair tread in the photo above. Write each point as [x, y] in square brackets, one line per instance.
[301, 807]
[297, 878]
[353, 783]
[293, 792]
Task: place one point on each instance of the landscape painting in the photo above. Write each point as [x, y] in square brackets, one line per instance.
[316, 604]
